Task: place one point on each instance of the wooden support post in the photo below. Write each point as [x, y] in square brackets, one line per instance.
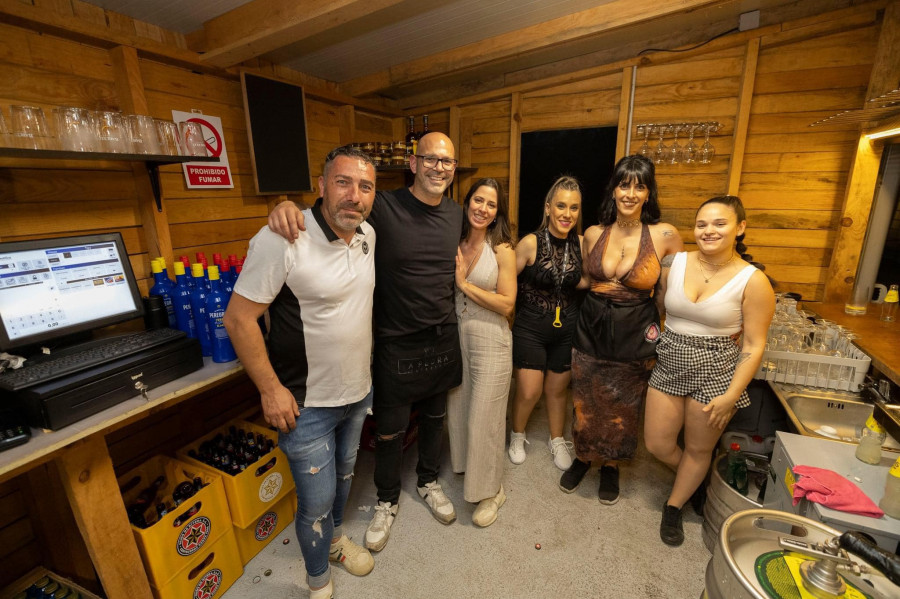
[621, 147]
[453, 134]
[515, 148]
[736, 164]
[860, 191]
[130, 89]
[87, 476]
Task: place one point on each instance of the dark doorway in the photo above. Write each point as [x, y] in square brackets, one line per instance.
[587, 154]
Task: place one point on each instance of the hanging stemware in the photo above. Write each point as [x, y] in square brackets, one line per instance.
[644, 130]
[689, 154]
[707, 150]
[659, 155]
[675, 152]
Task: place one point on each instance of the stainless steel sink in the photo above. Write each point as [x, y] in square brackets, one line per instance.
[838, 415]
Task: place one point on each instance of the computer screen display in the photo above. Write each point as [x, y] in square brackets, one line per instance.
[56, 287]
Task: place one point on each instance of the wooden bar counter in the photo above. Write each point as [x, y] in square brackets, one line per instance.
[880, 340]
[81, 455]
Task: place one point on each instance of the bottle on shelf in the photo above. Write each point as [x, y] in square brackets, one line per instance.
[889, 306]
[226, 274]
[187, 269]
[424, 130]
[216, 302]
[198, 306]
[163, 287]
[412, 138]
[181, 299]
[736, 474]
[869, 448]
[162, 264]
[890, 502]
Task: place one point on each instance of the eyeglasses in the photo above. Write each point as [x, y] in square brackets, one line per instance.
[431, 161]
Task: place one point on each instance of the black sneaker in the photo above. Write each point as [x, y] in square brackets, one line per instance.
[571, 478]
[670, 529]
[608, 493]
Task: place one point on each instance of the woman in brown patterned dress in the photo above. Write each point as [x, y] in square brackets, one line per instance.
[614, 347]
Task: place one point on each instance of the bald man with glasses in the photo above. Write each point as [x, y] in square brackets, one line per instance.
[417, 355]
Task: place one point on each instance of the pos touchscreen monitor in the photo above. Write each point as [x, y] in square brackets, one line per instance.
[53, 288]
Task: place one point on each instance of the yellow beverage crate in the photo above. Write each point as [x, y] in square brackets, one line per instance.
[218, 568]
[253, 538]
[255, 490]
[177, 540]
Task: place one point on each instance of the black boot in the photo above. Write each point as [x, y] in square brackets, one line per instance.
[571, 478]
[670, 530]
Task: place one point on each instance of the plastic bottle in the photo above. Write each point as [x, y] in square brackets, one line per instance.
[216, 302]
[181, 300]
[890, 503]
[198, 306]
[736, 475]
[187, 269]
[227, 277]
[889, 307]
[869, 448]
[163, 287]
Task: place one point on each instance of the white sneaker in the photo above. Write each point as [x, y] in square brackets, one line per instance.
[559, 447]
[486, 512]
[441, 507]
[326, 592]
[379, 529]
[516, 451]
[355, 559]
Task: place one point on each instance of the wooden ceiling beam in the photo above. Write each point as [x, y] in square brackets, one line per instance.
[263, 26]
[591, 22]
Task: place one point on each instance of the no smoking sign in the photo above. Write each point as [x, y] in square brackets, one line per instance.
[207, 175]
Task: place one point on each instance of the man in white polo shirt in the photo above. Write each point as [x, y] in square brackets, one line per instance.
[315, 381]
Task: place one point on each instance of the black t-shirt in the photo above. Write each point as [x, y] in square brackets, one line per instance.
[415, 262]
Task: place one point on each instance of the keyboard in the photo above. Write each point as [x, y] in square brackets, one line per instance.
[81, 357]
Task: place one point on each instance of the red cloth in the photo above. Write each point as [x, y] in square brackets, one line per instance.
[833, 490]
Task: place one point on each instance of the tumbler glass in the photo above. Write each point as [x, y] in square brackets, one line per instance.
[169, 138]
[142, 131]
[29, 128]
[111, 131]
[192, 138]
[75, 129]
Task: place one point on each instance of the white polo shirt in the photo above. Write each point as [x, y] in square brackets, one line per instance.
[319, 290]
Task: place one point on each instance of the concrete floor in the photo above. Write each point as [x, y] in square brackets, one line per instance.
[587, 549]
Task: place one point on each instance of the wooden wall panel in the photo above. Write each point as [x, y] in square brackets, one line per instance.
[794, 176]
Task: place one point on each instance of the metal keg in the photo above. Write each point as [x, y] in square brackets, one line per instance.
[722, 500]
[745, 563]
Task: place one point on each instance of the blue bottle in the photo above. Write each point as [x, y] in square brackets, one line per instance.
[198, 307]
[226, 276]
[181, 299]
[216, 302]
[163, 287]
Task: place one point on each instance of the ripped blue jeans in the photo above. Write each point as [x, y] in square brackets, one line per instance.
[322, 453]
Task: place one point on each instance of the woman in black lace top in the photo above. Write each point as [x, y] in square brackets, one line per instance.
[549, 266]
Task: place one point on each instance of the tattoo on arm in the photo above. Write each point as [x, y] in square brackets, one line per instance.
[667, 260]
[667, 233]
[742, 358]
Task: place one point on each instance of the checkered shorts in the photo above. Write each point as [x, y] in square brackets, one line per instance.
[696, 366]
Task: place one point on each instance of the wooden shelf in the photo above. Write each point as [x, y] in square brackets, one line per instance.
[71, 155]
[151, 161]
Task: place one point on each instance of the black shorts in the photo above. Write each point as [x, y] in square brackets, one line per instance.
[538, 345]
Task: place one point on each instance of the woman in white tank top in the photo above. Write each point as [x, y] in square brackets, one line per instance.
[718, 310]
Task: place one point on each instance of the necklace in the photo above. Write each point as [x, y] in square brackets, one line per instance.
[718, 264]
[627, 224]
[701, 261]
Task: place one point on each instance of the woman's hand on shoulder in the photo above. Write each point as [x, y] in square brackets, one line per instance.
[286, 219]
[526, 251]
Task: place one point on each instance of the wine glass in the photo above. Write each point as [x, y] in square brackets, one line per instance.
[644, 130]
[675, 151]
[707, 150]
[689, 154]
[659, 155]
